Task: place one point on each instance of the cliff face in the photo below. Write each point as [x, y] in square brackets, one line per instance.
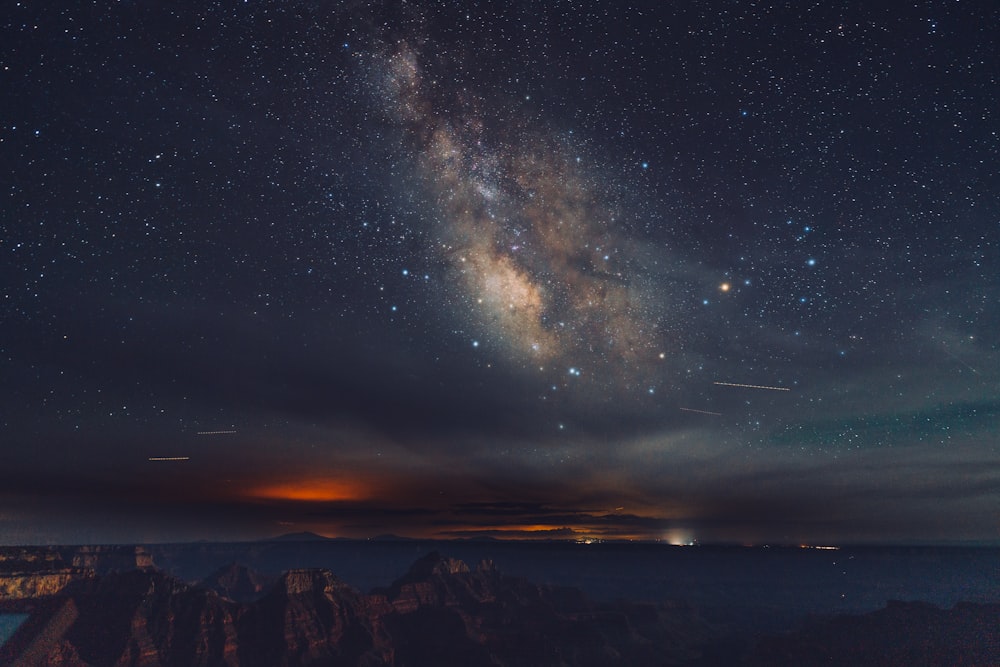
[310, 617]
[237, 582]
[439, 613]
[32, 573]
[113, 558]
[97, 558]
[129, 618]
[148, 618]
[31, 585]
[437, 581]
[443, 614]
[28, 559]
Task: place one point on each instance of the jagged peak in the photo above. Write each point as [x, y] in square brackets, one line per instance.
[435, 564]
[299, 581]
[237, 582]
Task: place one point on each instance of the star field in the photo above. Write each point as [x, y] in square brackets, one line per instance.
[448, 268]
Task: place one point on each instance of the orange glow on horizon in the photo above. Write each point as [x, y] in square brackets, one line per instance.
[533, 528]
[528, 532]
[314, 490]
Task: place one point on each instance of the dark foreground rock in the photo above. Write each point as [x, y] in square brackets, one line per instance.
[440, 613]
[913, 634]
[237, 582]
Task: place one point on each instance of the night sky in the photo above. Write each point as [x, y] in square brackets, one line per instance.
[700, 271]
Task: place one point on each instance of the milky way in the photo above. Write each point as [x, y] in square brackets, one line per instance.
[720, 270]
[528, 232]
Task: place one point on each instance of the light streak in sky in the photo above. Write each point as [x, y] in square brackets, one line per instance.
[216, 432]
[944, 346]
[702, 412]
[169, 458]
[751, 386]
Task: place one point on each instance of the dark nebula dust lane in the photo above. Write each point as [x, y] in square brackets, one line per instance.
[708, 273]
[538, 250]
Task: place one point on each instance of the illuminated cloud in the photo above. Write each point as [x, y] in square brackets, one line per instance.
[313, 490]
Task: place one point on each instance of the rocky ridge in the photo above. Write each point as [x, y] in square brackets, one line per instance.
[29, 573]
[439, 613]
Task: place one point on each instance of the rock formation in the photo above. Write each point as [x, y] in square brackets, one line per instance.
[439, 613]
[237, 583]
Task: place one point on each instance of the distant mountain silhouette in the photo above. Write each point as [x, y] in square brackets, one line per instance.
[303, 536]
[389, 537]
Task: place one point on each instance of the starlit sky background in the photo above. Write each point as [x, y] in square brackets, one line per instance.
[692, 271]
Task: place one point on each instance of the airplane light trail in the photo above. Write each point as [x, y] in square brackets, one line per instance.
[944, 346]
[215, 432]
[751, 386]
[702, 412]
[169, 458]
